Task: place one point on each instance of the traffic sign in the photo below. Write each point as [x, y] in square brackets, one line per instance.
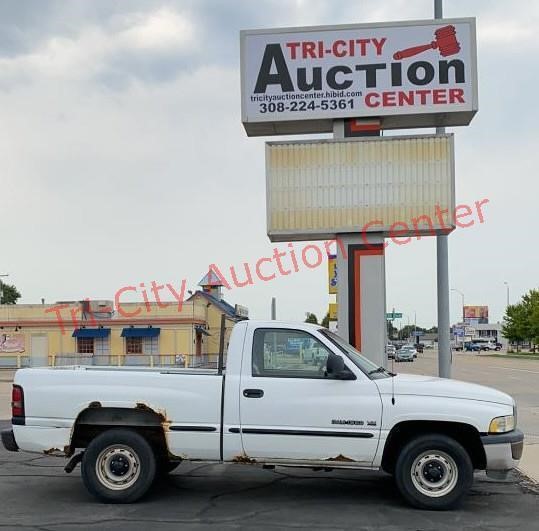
[393, 315]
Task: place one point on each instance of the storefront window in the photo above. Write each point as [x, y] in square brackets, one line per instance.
[133, 345]
[85, 345]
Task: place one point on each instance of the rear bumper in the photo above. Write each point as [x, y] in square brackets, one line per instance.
[8, 440]
[503, 452]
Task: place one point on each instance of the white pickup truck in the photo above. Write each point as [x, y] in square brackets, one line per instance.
[271, 406]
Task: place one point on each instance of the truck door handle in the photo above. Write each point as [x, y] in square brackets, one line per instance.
[253, 393]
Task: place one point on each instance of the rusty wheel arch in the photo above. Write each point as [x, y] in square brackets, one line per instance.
[96, 419]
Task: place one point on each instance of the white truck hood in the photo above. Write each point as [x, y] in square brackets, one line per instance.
[418, 385]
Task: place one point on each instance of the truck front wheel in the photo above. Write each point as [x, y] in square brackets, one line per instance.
[118, 466]
[433, 472]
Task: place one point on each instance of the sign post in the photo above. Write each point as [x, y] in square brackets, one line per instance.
[442, 264]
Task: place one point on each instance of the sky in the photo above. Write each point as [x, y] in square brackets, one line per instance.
[122, 163]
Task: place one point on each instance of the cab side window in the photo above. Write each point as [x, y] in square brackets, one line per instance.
[283, 353]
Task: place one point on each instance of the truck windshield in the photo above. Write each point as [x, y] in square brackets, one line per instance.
[372, 370]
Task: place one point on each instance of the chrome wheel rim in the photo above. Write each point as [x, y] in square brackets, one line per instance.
[434, 473]
[117, 467]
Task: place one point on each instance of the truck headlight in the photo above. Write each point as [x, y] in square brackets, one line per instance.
[502, 424]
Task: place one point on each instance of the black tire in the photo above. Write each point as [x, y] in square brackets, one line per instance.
[434, 458]
[104, 460]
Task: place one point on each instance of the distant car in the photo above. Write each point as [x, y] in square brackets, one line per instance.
[405, 354]
[411, 347]
[485, 344]
[390, 351]
[470, 346]
[492, 346]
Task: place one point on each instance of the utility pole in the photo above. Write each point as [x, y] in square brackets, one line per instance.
[507, 287]
[463, 314]
[442, 263]
[273, 308]
[462, 302]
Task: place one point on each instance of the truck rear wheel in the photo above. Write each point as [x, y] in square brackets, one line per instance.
[433, 472]
[118, 466]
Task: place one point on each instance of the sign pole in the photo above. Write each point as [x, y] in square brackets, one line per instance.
[442, 262]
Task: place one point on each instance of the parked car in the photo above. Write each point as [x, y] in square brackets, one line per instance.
[492, 345]
[390, 351]
[127, 426]
[413, 348]
[405, 354]
[486, 344]
[470, 346]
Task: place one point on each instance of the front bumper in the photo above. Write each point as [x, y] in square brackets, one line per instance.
[8, 440]
[503, 452]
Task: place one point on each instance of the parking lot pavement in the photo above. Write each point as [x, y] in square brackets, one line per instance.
[35, 493]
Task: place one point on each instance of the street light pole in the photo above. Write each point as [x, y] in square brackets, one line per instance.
[462, 297]
[507, 287]
[463, 314]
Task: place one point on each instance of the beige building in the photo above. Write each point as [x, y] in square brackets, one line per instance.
[165, 333]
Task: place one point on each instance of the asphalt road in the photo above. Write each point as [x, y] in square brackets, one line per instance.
[36, 494]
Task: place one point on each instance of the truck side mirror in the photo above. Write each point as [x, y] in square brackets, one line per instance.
[334, 366]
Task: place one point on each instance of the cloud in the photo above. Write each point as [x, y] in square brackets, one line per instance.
[498, 33]
[163, 29]
[132, 46]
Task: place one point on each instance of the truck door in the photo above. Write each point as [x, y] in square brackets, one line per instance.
[289, 409]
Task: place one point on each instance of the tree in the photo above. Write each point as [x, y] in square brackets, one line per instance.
[531, 305]
[392, 331]
[9, 294]
[408, 330]
[521, 321]
[514, 324]
[311, 318]
[325, 321]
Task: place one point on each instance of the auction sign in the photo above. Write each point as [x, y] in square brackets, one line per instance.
[408, 74]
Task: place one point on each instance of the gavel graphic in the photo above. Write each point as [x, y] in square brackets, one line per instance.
[446, 42]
